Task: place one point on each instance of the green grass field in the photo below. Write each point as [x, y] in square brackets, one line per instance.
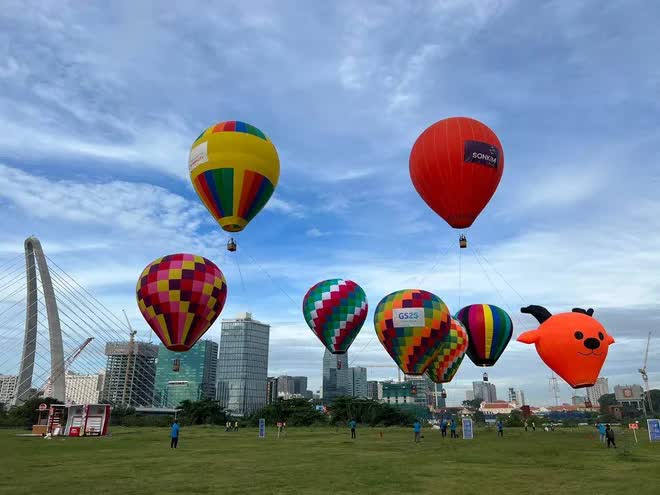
[325, 460]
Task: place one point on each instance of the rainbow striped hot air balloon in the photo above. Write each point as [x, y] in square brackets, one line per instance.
[180, 296]
[411, 324]
[489, 329]
[234, 168]
[452, 351]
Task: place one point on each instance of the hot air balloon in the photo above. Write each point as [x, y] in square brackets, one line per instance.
[573, 344]
[335, 310]
[411, 324]
[234, 168]
[452, 351]
[180, 296]
[456, 165]
[489, 330]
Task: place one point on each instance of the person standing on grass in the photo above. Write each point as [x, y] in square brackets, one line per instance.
[175, 435]
[533, 426]
[443, 427]
[500, 428]
[417, 428]
[452, 427]
[235, 425]
[602, 430]
[609, 433]
[525, 425]
[352, 424]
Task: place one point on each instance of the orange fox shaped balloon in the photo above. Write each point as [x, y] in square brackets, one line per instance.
[574, 345]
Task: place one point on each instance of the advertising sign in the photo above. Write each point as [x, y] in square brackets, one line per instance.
[468, 434]
[262, 428]
[633, 426]
[654, 429]
[408, 317]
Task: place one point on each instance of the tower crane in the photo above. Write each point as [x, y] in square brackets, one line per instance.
[645, 376]
[131, 342]
[67, 362]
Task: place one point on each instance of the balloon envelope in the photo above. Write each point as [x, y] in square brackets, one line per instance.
[489, 330]
[452, 351]
[573, 345]
[234, 168]
[456, 165]
[335, 311]
[180, 296]
[411, 324]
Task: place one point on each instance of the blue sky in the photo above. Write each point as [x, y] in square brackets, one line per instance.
[99, 106]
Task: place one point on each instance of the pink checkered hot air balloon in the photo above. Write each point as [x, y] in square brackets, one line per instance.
[180, 296]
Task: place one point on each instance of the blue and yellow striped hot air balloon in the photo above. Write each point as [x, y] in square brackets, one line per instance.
[489, 330]
[234, 168]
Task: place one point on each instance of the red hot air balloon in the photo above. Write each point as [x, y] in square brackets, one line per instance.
[456, 165]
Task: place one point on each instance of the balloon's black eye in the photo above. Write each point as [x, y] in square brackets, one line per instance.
[579, 335]
[601, 336]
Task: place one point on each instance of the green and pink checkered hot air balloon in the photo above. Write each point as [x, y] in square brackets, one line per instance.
[335, 310]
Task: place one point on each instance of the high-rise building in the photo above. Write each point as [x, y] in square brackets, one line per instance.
[8, 385]
[372, 390]
[469, 395]
[431, 390]
[408, 395]
[485, 391]
[357, 382]
[130, 373]
[243, 365]
[600, 388]
[335, 376]
[578, 400]
[271, 389]
[187, 375]
[300, 383]
[286, 386]
[516, 396]
[80, 389]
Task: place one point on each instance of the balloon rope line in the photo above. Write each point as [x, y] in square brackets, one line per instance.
[272, 279]
[513, 314]
[240, 273]
[501, 276]
[460, 288]
[441, 253]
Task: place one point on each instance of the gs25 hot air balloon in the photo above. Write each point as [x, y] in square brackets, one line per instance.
[234, 168]
[452, 351]
[573, 344]
[411, 324]
[335, 311]
[456, 165]
[180, 296]
[489, 330]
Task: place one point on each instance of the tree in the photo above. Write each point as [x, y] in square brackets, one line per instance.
[472, 404]
[205, 411]
[514, 419]
[295, 412]
[605, 401]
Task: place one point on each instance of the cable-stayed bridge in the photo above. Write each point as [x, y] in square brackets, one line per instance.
[58, 340]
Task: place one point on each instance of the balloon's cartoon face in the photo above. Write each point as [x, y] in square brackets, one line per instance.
[573, 344]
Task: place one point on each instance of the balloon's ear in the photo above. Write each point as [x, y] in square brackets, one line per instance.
[609, 340]
[529, 337]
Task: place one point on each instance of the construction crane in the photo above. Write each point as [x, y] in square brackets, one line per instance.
[383, 366]
[131, 341]
[67, 362]
[645, 376]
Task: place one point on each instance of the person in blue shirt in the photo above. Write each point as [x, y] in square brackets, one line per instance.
[500, 428]
[352, 424]
[418, 430]
[443, 427]
[175, 435]
[453, 427]
[602, 430]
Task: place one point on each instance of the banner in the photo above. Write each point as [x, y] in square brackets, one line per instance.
[262, 428]
[654, 429]
[408, 317]
[467, 429]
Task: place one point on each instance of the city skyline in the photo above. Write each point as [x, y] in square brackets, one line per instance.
[119, 194]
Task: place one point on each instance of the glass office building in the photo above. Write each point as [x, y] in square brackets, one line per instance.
[243, 365]
[187, 375]
[335, 376]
